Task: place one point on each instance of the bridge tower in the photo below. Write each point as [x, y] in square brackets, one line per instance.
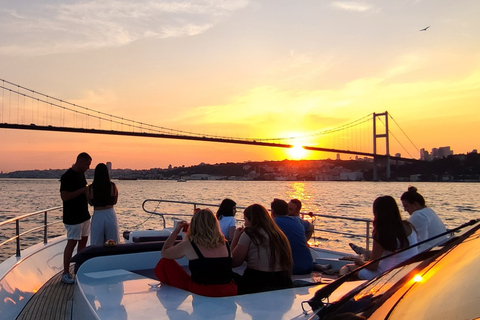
[381, 135]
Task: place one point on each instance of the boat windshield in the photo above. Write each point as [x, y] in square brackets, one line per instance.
[418, 281]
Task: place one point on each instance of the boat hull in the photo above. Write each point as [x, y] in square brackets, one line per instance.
[21, 277]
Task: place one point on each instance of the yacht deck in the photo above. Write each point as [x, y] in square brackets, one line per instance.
[53, 301]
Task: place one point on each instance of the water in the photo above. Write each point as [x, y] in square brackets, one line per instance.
[455, 203]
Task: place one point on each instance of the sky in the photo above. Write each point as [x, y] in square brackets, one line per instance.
[241, 68]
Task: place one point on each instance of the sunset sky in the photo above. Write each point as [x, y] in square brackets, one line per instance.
[243, 69]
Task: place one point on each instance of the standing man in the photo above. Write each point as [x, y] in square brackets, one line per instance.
[294, 207]
[73, 188]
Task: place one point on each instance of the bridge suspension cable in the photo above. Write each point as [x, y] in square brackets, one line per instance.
[396, 139]
[101, 115]
[351, 138]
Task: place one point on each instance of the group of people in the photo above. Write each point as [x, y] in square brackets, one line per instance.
[273, 245]
[76, 195]
[391, 234]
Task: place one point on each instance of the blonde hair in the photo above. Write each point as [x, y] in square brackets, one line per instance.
[204, 230]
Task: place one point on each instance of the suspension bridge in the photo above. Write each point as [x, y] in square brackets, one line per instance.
[370, 136]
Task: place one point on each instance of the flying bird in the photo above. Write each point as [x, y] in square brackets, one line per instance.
[425, 29]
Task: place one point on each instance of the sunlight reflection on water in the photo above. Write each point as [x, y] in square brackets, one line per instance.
[455, 203]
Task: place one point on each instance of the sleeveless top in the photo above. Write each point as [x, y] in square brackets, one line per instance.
[211, 270]
[106, 201]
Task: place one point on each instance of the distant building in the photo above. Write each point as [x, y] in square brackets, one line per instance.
[109, 166]
[437, 153]
[424, 155]
[351, 176]
[415, 177]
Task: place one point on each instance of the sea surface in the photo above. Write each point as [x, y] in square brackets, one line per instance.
[455, 203]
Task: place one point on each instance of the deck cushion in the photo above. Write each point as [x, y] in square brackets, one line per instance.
[124, 248]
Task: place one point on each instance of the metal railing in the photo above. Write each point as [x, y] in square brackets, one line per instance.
[164, 214]
[19, 235]
[154, 205]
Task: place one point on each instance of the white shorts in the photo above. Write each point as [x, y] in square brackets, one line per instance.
[78, 231]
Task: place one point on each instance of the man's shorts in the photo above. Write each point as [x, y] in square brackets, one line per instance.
[77, 231]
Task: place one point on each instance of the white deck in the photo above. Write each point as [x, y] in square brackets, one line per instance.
[122, 294]
[108, 288]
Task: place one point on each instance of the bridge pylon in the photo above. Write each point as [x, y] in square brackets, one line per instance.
[376, 136]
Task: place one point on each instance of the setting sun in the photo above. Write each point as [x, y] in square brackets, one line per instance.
[297, 152]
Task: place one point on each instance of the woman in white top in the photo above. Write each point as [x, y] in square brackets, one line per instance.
[226, 218]
[425, 220]
[390, 234]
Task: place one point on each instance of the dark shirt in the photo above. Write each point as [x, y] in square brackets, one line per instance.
[104, 201]
[75, 210]
[211, 270]
[295, 232]
[304, 223]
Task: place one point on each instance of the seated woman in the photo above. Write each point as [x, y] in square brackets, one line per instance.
[209, 254]
[226, 218]
[266, 250]
[390, 234]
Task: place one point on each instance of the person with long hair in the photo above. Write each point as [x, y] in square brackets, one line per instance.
[102, 194]
[266, 250]
[390, 233]
[226, 218]
[424, 219]
[208, 252]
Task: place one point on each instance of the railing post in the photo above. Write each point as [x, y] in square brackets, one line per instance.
[367, 236]
[45, 228]
[17, 227]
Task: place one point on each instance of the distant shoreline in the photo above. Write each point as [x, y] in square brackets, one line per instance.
[455, 168]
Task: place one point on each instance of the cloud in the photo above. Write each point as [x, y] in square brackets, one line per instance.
[352, 6]
[45, 28]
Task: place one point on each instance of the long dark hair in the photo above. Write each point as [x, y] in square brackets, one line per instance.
[388, 226]
[102, 186]
[412, 196]
[262, 223]
[226, 208]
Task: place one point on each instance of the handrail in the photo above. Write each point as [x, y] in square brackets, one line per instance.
[367, 226]
[197, 204]
[162, 215]
[18, 235]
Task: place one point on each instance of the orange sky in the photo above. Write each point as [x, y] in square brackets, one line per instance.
[241, 69]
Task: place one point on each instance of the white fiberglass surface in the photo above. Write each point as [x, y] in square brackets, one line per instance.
[21, 278]
[121, 294]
